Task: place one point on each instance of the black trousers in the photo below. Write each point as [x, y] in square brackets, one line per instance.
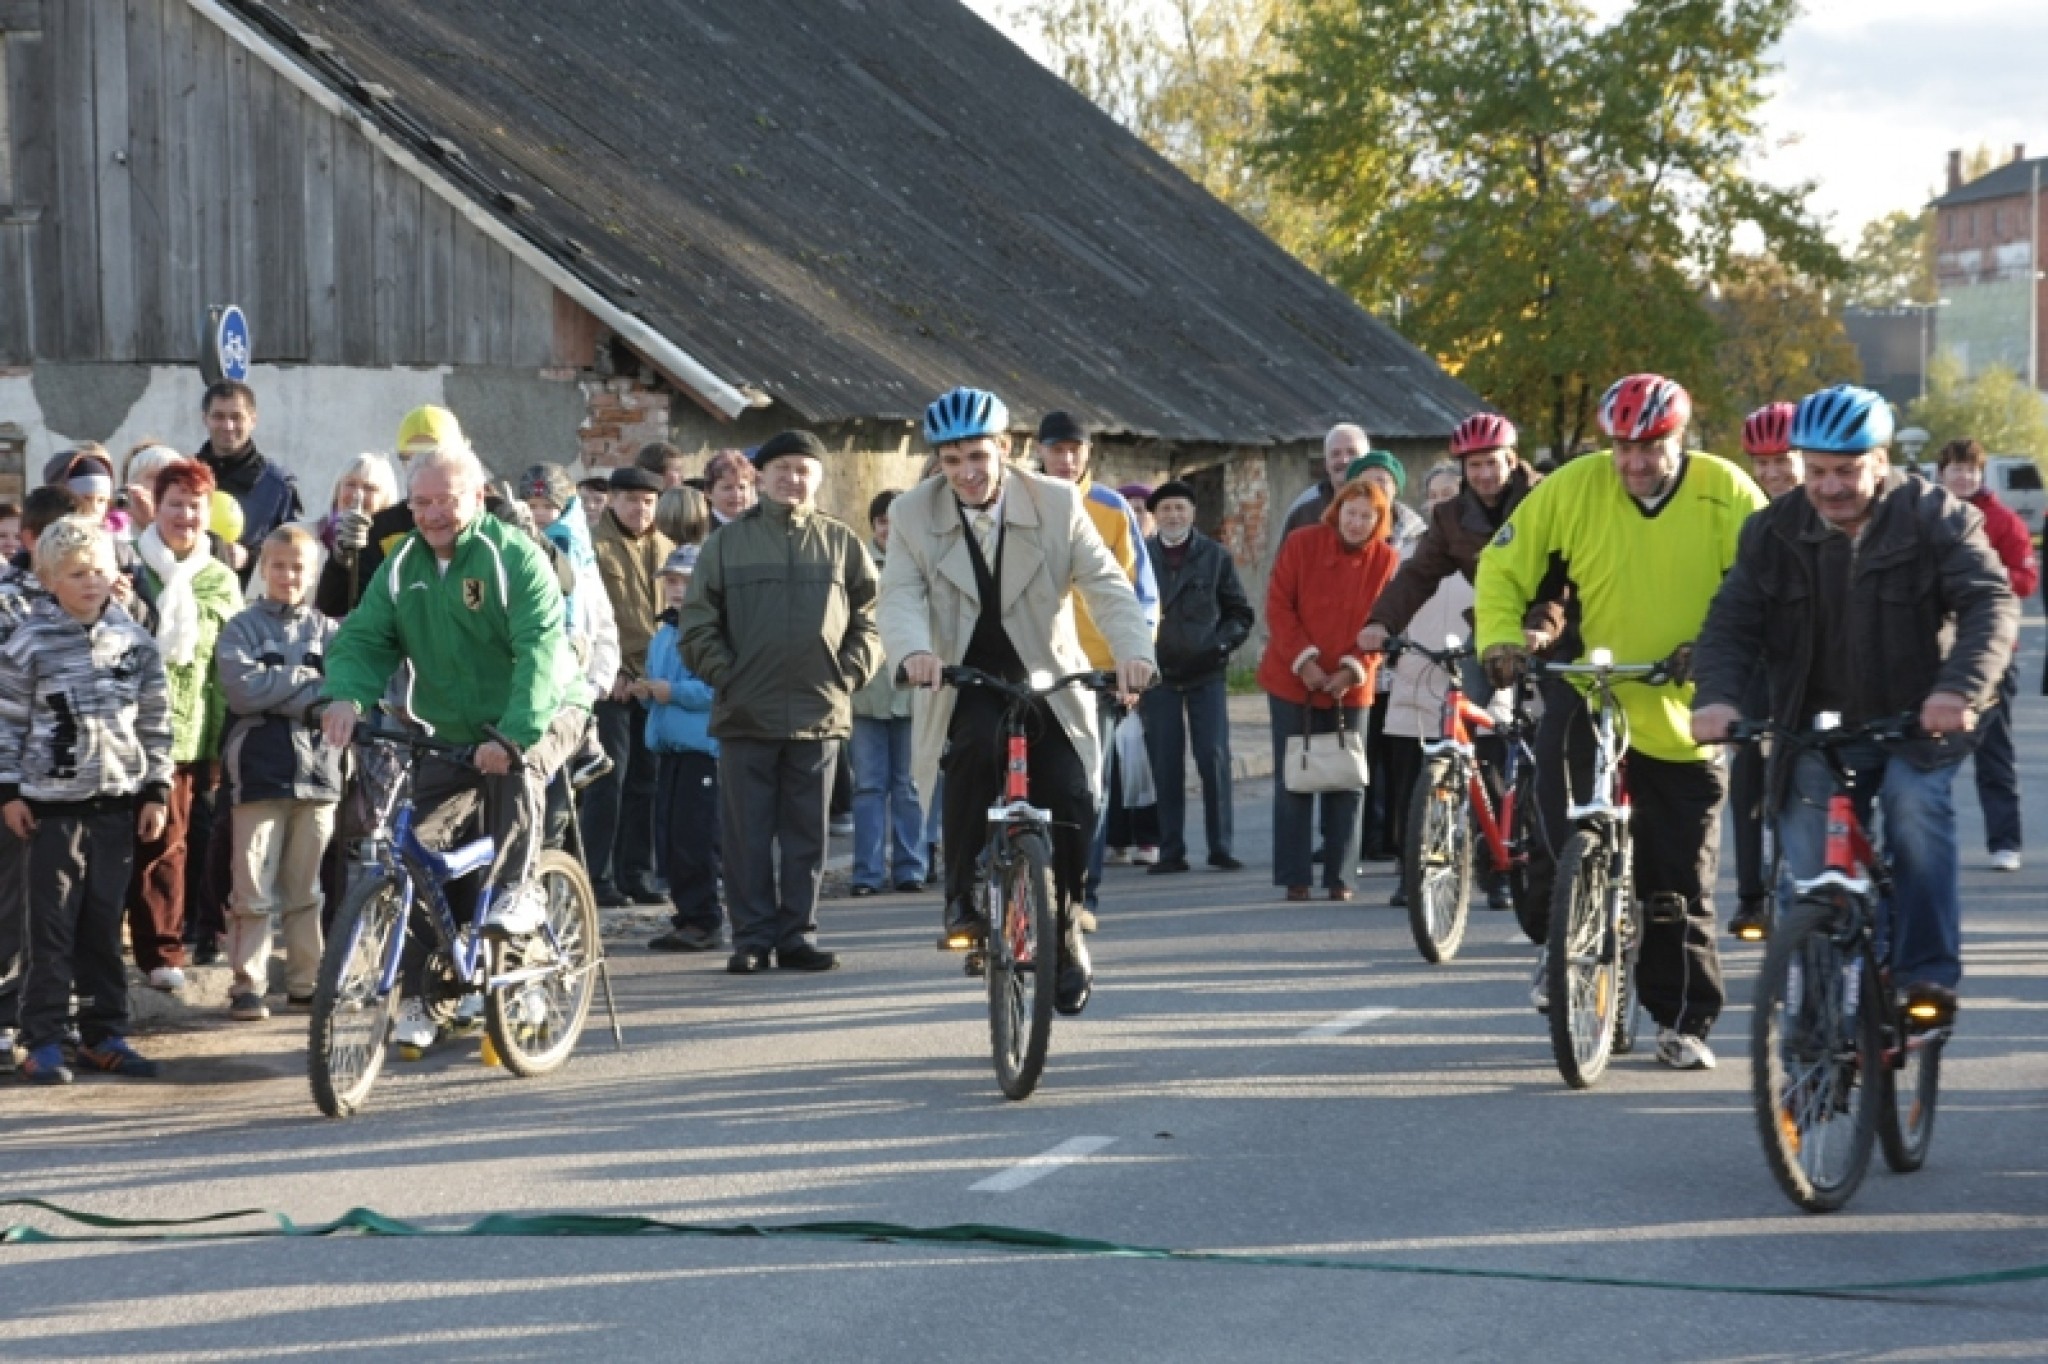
[1400, 765]
[79, 863]
[13, 923]
[1377, 815]
[690, 843]
[1676, 822]
[618, 808]
[976, 761]
[773, 796]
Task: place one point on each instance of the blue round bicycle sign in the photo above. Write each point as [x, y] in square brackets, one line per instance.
[231, 344]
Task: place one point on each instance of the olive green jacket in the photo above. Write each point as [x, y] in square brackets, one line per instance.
[780, 621]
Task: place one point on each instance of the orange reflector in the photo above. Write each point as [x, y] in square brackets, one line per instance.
[1751, 933]
[1924, 1011]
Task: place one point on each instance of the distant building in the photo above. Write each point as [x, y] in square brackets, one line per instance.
[1893, 345]
[1987, 236]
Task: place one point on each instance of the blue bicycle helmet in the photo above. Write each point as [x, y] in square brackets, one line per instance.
[1843, 420]
[964, 414]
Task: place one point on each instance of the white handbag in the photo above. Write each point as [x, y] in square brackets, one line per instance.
[1320, 763]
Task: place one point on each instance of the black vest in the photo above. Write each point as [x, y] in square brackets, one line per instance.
[989, 648]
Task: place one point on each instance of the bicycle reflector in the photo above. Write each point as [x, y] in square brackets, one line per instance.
[1750, 932]
[1924, 1011]
[1601, 658]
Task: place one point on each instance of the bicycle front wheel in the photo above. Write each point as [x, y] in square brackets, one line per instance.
[1585, 961]
[1905, 1119]
[351, 1021]
[1436, 863]
[1814, 1059]
[1023, 967]
[536, 1015]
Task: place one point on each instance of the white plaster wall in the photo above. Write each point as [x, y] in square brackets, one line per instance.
[312, 419]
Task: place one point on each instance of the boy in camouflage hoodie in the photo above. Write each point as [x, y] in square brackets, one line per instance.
[85, 767]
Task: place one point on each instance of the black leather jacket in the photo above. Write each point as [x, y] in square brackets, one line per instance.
[1203, 612]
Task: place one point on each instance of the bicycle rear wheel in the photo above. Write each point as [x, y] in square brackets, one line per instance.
[535, 1019]
[1905, 1119]
[1584, 962]
[1022, 967]
[345, 1038]
[1814, 1059]
[1436, 864]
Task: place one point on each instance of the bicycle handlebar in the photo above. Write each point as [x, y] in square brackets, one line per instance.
[1889, 729]
[1092, 680]
[371, 728]
[1445, 658]
[1651, 674]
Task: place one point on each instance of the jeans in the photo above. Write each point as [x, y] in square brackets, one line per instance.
[1917, 809]
[1173, 718]
[1294, 817]
[886, 814]
[1998, 784]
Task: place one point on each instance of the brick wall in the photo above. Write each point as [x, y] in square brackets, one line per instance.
[621, 414]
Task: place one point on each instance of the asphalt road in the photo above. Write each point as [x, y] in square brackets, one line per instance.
[1252, 1076]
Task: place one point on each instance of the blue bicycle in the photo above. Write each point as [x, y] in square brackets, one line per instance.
[536, 989]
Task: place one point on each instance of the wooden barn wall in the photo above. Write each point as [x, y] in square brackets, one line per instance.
[152, 167]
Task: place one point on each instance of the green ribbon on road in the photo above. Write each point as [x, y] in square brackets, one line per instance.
[207, 1227]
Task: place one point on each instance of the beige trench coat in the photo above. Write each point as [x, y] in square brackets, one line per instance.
[929, 601]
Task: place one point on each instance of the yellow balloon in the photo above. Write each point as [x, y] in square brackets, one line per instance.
[225, 518]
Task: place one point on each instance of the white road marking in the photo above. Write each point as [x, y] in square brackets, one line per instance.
[1041, 1165]
[1344, 1023]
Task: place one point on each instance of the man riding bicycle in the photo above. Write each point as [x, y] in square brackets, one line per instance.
[982, 564]
[1840, 596]
[471, 604]
[1643, 536]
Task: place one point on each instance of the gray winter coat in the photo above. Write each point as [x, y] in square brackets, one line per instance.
[272, 664]
[85, 710]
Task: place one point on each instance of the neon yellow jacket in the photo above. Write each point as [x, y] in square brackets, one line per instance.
[1643, 580]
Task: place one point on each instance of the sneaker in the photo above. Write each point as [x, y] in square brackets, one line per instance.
[842, 827]
[1084, 919]
[1144, 857]
[1499, 897]
[469, 1015]
[863, 892]
[114, 1056]
[517, 912]
[1539, 987]
[746, 963]
[1683, 1051]
[414, 1032]
[169, 979]
[2005, 859]
[248, 1007]
[45, 1066]
[1076, 980]
[1116, 857]
[206, 952]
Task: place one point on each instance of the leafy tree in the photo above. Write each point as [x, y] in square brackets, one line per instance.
[1893, 261]
[1996, 407]
[1536, 197]
[1182, 75]
[1779, 340]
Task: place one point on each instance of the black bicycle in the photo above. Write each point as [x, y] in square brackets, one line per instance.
[1837, 1055]
[1027, 925]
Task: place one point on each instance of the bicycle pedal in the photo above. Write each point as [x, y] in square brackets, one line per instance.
[406, 1053]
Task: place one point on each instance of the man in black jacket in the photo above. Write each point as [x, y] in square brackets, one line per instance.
[1203, 617]
[268, 495]
[1839, 595]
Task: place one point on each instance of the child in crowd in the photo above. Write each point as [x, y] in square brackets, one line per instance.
[19, 592]
[593, 492]
[686, 804]
[283, 780]
[85, 770]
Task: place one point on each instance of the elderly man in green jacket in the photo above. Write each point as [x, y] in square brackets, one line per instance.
[780, 621]
[472, 604]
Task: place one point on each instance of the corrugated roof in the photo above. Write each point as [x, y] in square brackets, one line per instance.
[855, 204]
[2014, 177]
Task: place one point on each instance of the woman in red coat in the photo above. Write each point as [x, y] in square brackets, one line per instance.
[1998, 785]
[1327, 578]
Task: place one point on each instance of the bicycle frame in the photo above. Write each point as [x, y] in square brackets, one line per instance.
[1461, 722]
[418, 868]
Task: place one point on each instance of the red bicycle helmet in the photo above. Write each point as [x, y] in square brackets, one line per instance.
[1644, 407]
[1768, 430]
[1480, 432]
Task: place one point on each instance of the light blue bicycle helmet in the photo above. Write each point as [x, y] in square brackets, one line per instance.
[964, 414]
[1843, 420]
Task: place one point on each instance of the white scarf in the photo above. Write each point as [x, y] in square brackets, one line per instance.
[1172, 541]
[177, 608]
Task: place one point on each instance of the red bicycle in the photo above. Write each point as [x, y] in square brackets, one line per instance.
[1452, 801]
